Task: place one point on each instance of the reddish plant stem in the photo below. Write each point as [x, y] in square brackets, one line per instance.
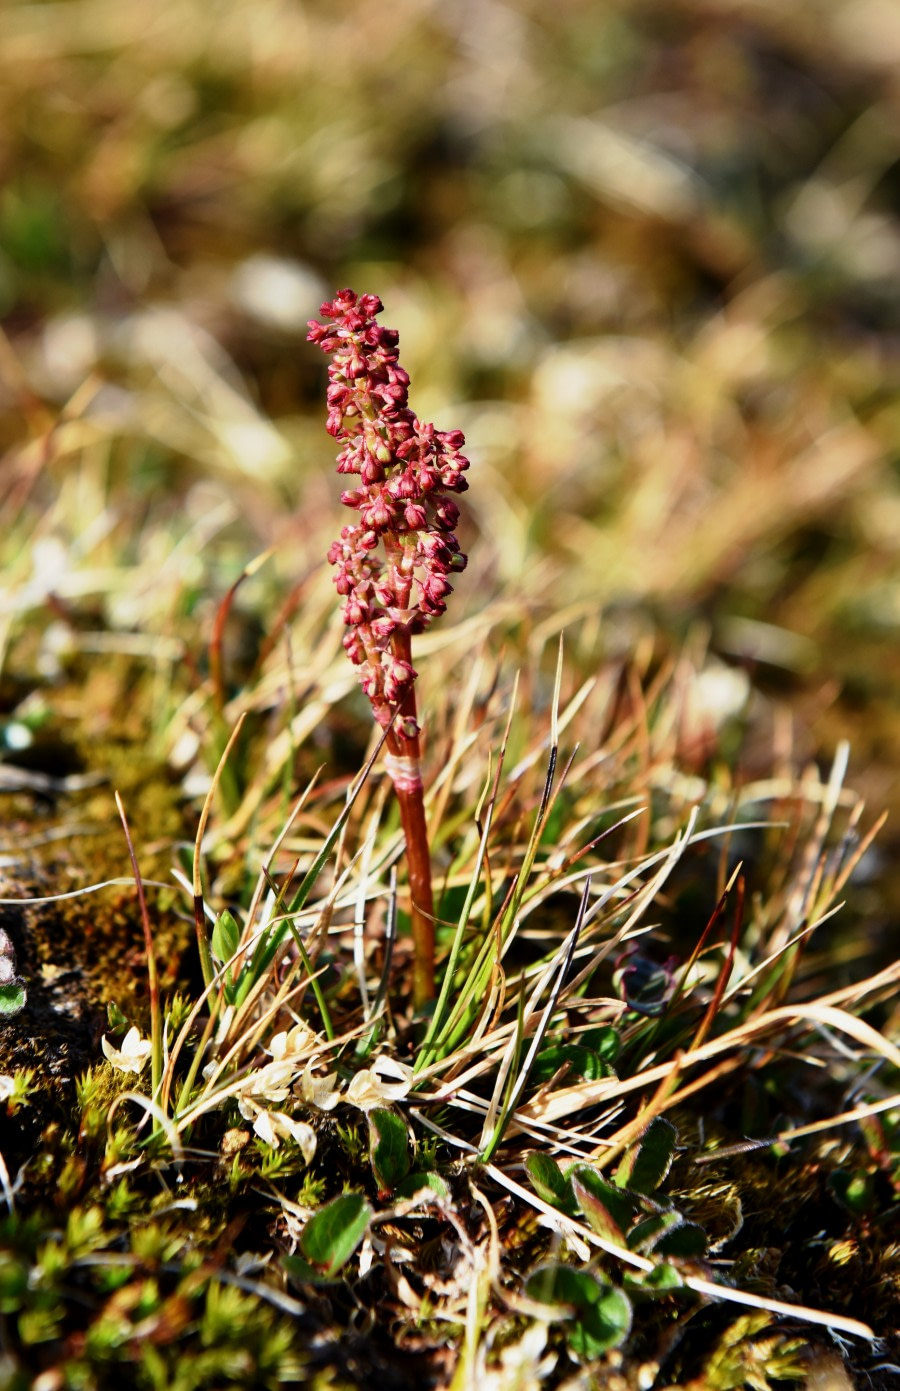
[405, 771]
[418, 862]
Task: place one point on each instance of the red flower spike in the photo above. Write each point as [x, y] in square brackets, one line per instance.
[405, 471]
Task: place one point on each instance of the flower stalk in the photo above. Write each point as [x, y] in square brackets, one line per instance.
[393, 564]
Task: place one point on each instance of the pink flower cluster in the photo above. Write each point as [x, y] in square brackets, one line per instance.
[406, 469]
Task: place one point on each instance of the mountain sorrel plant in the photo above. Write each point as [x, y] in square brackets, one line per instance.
[405, 469]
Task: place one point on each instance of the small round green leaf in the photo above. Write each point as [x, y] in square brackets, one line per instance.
[603, 1040]
[414, 1183]
[646, 1163]
[597, 1316]
[646, 1234]
[13, 997]
[580, 1061]
[388, 1148]
[333, 1234]
[607, 1209]
[688, 1241]
[661, 1280]
[853, 1189]
[549, 1182]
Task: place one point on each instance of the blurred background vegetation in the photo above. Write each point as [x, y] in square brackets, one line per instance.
[647, 255]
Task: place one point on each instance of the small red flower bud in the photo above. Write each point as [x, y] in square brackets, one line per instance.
[355, 613]
[370, 305]
[447, 513]
[434, 587]
[354, 648]
[378, 515]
